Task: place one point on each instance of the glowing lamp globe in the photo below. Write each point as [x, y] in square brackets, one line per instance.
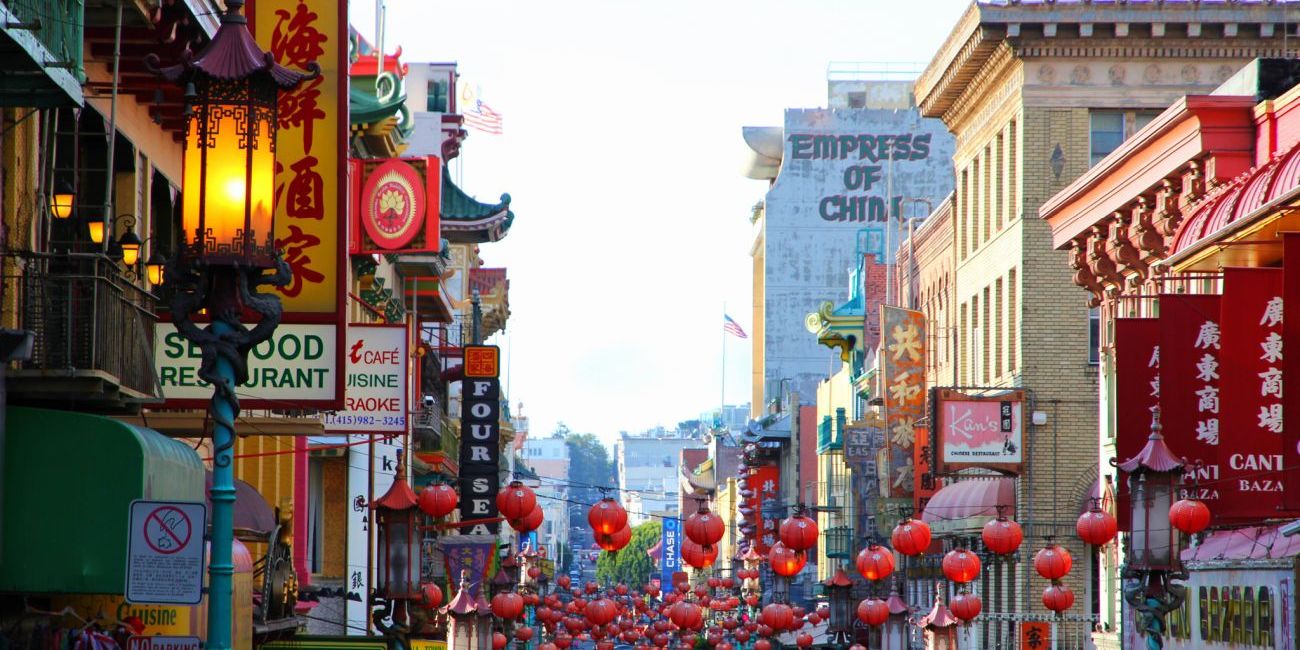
[786, 562]
[606, 517]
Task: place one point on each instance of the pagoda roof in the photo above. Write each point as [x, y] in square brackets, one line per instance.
[465, 220]
[365, 108]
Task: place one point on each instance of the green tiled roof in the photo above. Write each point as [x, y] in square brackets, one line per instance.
[466, 220]
[365, 108]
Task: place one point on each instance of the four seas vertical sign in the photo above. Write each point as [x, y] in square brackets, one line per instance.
[480, 447]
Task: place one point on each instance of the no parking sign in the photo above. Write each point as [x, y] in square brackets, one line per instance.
[165, 552]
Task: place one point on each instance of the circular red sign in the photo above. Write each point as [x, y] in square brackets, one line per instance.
[167, 530]
[392, 204]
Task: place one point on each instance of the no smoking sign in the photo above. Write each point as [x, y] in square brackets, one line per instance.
[165, 552]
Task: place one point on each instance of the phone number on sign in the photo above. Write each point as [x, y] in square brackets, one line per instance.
[366, 420]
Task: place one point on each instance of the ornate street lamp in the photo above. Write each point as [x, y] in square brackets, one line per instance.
[840, 589]
[61, 200]
[397, 573]
[231, 91]
[1154, 477]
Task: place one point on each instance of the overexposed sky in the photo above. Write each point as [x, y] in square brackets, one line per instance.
[622, 152]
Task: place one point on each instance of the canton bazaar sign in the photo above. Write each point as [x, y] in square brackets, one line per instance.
[1235, 606]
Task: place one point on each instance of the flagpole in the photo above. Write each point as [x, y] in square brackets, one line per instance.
[722, 402]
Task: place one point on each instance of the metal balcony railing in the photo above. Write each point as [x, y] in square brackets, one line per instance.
[88, 321]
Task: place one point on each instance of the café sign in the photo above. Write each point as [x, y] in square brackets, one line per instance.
[375, 384]
[297, 366]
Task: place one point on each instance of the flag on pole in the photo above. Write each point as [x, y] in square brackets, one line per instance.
[733, 328]
[481, 117]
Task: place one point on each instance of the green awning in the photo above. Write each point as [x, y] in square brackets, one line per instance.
[69, 479]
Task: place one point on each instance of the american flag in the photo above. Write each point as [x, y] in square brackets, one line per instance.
[482, 118]
[732, 327]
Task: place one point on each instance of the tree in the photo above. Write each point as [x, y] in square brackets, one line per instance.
[631, 566]
[589, 469]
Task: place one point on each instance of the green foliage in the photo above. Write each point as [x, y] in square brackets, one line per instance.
[589, 465]
[631, 566]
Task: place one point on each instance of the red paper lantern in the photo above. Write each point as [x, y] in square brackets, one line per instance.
[697, 556]
[786, 562]
[875, 562]
[601, 611]
[563, 582]
[437, 500]
[529, 522]
[1096, 527]
[1058, 597]
[777, 616]
[704, 528]
[762, 644]
[911, 537]
[430, 596]
[873, 611]
[1189, 516]
[615, 542]
[799, 533]
[607, 517]
[499, 641]
[507, 605]
[961, 566]
[804, 640]
[524, 634]
[516, 500]
[1053, 562]
[1002, 536]
[965, 606]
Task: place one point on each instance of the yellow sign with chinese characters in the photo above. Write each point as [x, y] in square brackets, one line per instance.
[311, 177]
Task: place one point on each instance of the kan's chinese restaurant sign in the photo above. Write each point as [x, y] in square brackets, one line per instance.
[311, 153]
[902, 370]
[986, 431]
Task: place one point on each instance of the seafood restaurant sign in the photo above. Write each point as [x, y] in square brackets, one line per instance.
[298, 364]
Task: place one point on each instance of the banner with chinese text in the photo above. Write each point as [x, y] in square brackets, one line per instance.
[1291, 374]
[1137, 394]
[311, 155]
[902, 371]
[1189, 387]
[926, 483]
[1250, 370]
[765, 481]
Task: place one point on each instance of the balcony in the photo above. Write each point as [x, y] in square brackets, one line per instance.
[828, 436]
[42, 50]
[94, 333]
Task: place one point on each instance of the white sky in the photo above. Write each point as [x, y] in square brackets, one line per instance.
[622, 152]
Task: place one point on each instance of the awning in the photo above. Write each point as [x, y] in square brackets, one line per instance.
[254, 517]
[969, 503]
[1252, 543]
[656, 552]
[1236, 206]
[69, 479]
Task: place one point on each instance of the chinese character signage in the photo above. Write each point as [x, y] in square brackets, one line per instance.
[902, 370]
[925, 483]
[765, 481]
[462, 553]
[396, 205]
[1137, 395]
[1190, 412]
[371, 467]
[672, 549]
[874, 278]
[480, 436]
[983, 431]
[861, 442]
[1291, 375]
[1250, 368]
[1035, 635]
[376, 381]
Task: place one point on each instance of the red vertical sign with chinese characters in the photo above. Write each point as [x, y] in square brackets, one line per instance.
[765, 481]
[925, 483]
[311, 156]
[1190, 401]
[1291, 375]
[902, 371]
[1250, 459]
[874, 277]
[1137, 394]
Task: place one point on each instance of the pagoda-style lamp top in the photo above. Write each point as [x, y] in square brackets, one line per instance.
[1155, 475]
[231, 88]
[1156, 455]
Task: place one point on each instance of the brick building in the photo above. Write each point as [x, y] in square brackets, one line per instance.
[1035, 94]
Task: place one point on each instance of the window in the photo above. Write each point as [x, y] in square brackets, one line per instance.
[1094, 336]
[437, 99]
[858, 99]
[1109, 129]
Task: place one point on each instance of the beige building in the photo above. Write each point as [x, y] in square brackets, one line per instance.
[1035, 94]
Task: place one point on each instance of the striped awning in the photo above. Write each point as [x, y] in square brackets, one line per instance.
[969, 503]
